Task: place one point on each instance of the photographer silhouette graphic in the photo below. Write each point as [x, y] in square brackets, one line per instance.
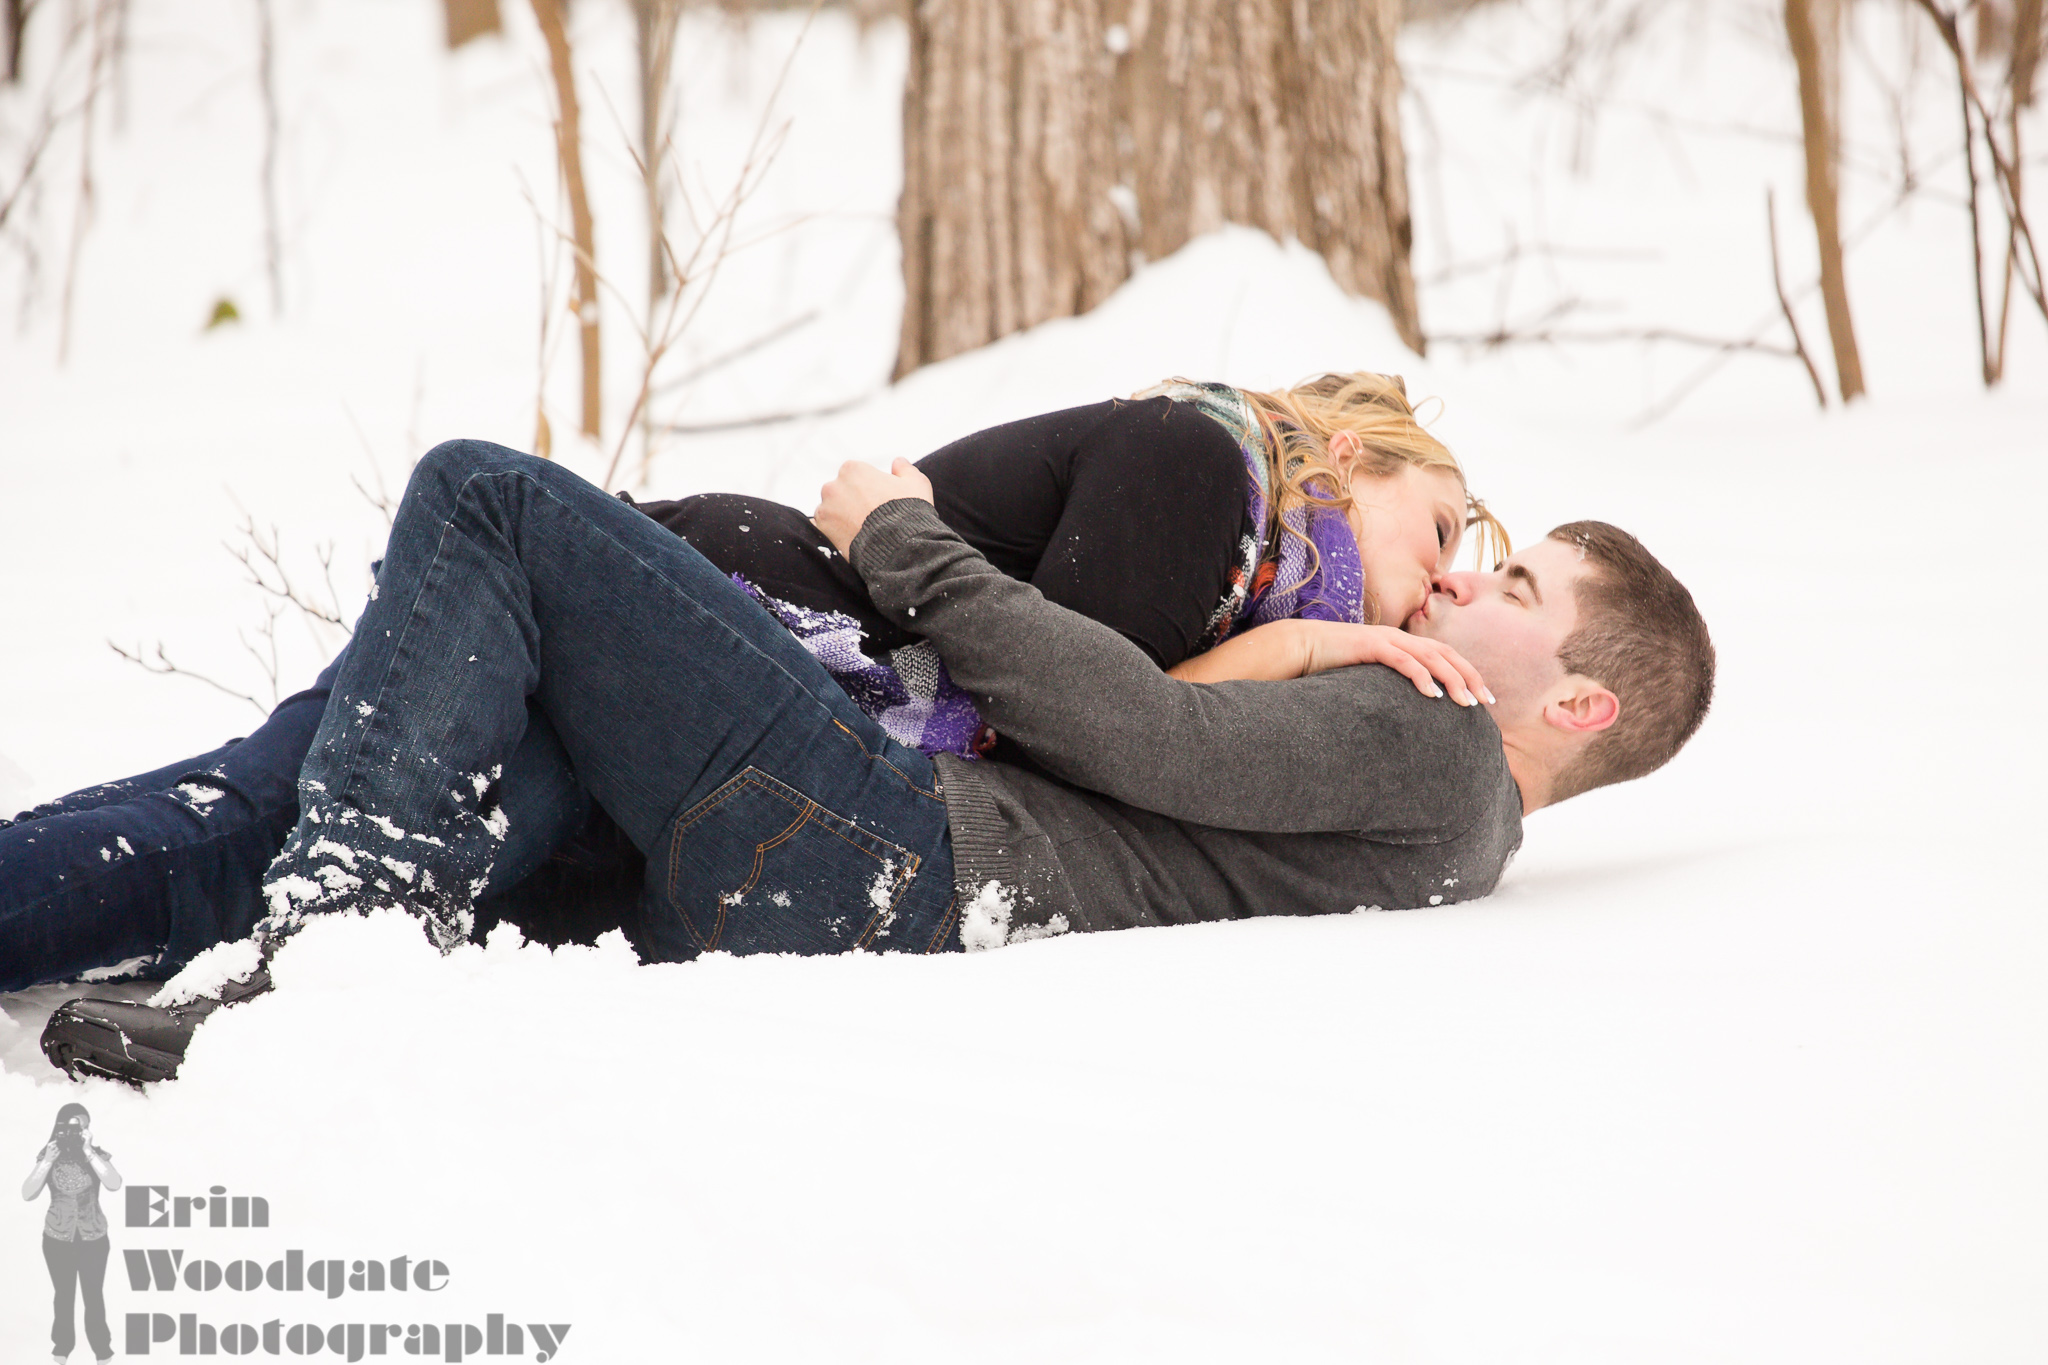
[73, 1168]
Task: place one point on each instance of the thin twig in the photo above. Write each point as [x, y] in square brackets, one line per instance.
[386, 505]
[549, 275]
[1507, 336]
[38, 143]
[266, 85]
[263, 562]
[2007, 174]
[569, 155]
[82, 216]
[163, 666]
[266, 659]
[767, 420]
[1712, 364]
[719, 362]
[1539, 249]
[690, 285]
[1778, 285]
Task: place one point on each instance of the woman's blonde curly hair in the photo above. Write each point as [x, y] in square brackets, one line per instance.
[1299, 424]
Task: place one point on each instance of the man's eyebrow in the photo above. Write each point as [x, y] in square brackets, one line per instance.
[1522, 572]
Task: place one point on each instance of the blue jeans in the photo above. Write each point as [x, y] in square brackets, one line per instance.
[774, 815]
[163, 865]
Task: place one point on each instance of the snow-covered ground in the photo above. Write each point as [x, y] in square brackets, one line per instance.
[1744, 1062]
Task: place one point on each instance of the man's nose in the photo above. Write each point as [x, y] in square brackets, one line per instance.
[1461, 587]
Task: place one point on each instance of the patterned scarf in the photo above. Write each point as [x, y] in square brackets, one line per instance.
[907, 690]
[1285, 583]
[910, 693]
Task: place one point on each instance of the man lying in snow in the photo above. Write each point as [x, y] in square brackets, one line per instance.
[776, 816]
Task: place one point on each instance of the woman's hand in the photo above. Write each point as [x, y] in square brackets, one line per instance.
[48, 1156]
[1426, 663]
[857, 490]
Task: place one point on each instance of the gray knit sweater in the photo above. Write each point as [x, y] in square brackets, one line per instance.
[1164, 802]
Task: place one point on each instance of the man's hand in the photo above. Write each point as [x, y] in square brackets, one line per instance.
[857, 490]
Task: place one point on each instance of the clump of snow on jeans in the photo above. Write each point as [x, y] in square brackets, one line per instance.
[207, 973]
[200, 797]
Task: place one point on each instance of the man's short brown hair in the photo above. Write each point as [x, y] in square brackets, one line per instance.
[1640, 636]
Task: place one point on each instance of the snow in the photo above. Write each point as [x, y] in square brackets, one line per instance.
[205, 975]
[1744, 1062]
[985, 919]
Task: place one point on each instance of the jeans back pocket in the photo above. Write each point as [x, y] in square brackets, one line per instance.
[758, 867]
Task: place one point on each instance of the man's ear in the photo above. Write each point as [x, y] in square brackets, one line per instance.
[1582, 707]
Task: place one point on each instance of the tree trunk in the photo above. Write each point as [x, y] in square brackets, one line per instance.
[654, 26]
[17, 19]
[1052, 145]
[1815, 28]
[569, 151]
[469, 19]
[2026, 51]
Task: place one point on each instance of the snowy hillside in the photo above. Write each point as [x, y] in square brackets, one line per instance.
[1745, 1062]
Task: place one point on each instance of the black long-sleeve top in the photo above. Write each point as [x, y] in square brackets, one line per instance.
[1128, 512]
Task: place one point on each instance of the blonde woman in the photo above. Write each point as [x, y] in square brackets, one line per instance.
[1225, 534]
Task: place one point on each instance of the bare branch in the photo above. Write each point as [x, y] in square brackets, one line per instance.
[266, 85]
[1768, 320]
[163, 666]
[569, 153]
[740, 352]
[266, 659]
[82, 213]
[38, 143]
[767, 420]
[690, 277]
[386, 505]
[2008, 176]
[263, 564]
[1550, 336]
[1778, 284]
[1542, 250]
[1815, 30]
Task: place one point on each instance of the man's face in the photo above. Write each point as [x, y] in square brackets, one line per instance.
[1509, 623]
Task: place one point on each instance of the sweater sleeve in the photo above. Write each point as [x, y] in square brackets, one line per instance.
[1356, 749]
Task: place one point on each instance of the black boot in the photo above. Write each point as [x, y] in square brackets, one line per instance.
[130, 1041]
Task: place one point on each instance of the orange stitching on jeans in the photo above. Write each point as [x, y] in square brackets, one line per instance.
[744, 781]
[675, 844]
[885, 913]
[945, 924]
[877, 758]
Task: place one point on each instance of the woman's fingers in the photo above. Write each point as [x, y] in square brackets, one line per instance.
[1452, 679]
[1431, 664]
[1434, 668]
[1414, 670]
[1459, 676]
